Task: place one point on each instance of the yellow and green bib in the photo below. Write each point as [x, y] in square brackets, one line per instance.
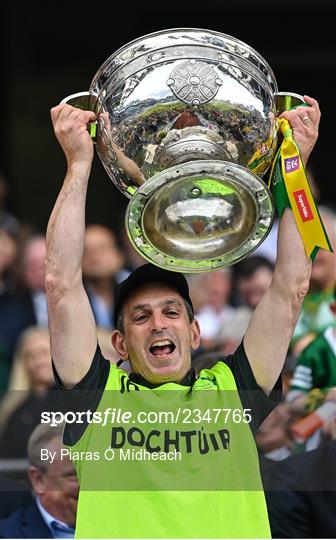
[170, 462]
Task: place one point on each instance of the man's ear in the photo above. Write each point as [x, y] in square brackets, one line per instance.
[36, 478]
[195, 334]
[119, 344]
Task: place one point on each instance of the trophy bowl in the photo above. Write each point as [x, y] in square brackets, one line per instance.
[186, 128]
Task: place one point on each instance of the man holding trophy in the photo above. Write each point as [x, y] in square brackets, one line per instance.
[156, 330]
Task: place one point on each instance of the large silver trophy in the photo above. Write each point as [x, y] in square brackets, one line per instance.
[187, 128]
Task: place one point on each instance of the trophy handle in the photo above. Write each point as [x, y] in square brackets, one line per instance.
[86, 102]
[284, 101]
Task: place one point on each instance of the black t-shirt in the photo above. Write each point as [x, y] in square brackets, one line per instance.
[87, 394]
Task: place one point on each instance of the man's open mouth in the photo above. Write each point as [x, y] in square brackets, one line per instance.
[162, 347]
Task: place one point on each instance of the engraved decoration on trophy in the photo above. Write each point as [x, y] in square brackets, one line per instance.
[194, 82]
[186, 129]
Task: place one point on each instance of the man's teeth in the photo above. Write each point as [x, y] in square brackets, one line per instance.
[162, 343]
[162, 347]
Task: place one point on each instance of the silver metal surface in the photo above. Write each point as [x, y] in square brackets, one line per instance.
[207, 216]
[284, 101]
[168, 102]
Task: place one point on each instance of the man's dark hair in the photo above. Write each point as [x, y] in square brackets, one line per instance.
[120, 323]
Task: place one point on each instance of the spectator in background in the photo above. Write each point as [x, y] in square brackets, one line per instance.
[27, 306]
[102, 269]
[253, 277]
[274, 438]
[30, 392]
[8, 222]
[298, 426]
[34, 276]
[226, 340]
[313, 383]
[132, 257]
[14, 494]
[8, 259]
[205, 359]
[316, 365]
[301, 495]
[53, 512]
[197, 292]
[217, 310]
[231, 335]
[315, 314]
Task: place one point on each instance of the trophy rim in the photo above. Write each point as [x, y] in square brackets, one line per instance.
[143, 245]
[270, 77]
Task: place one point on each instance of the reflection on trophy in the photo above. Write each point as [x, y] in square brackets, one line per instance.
[186, 128]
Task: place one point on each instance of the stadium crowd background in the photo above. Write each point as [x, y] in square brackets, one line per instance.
[32, 170]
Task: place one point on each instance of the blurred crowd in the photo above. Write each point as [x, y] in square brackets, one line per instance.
[304, 422]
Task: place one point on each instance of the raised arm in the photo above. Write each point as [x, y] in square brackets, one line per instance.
[269, 333]
[71, 322]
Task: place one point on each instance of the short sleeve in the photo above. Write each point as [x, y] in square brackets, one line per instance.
[251, 394]
[85, 396]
